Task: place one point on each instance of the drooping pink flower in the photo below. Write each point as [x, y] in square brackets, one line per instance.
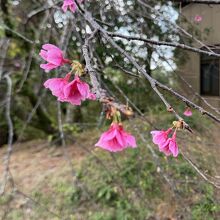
[116, 139]
[198, 18]
[170, 146]
[160, 137]
[56, 85]
[53, 55]
[77, 91]
[188, 112]
[71, 4]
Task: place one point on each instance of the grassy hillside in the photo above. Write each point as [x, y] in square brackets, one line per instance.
[82, 182]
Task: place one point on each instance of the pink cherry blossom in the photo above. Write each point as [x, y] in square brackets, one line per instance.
[71, 4]
[77, 91]
[170, 146]
[56, 85]
[116, 139]
[188, 112]
[53, 55]
[198, 18]
[160, 137]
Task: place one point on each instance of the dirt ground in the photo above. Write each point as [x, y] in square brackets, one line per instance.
[34, 162]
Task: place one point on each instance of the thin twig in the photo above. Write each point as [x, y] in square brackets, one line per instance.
[10, 134]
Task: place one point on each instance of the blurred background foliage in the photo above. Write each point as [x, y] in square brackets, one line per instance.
[26, 25]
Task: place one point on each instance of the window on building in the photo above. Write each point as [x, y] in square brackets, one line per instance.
[209, 75]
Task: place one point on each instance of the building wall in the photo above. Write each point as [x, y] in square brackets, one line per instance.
[210, 20]
[190, 70]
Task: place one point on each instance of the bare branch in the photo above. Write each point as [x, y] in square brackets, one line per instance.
[10, 134]
[217, 185]
[164, 43]
[101, 94]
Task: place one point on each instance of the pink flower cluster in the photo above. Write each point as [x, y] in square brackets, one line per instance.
[76, 91]
[166, 144]
[73, 92]
[71, 4]
[116, 139]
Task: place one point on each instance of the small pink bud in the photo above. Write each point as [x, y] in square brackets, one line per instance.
[198, 18]
[71, 4]
[188, 112]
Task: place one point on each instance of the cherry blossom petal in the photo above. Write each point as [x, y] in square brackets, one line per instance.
[48, 66]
